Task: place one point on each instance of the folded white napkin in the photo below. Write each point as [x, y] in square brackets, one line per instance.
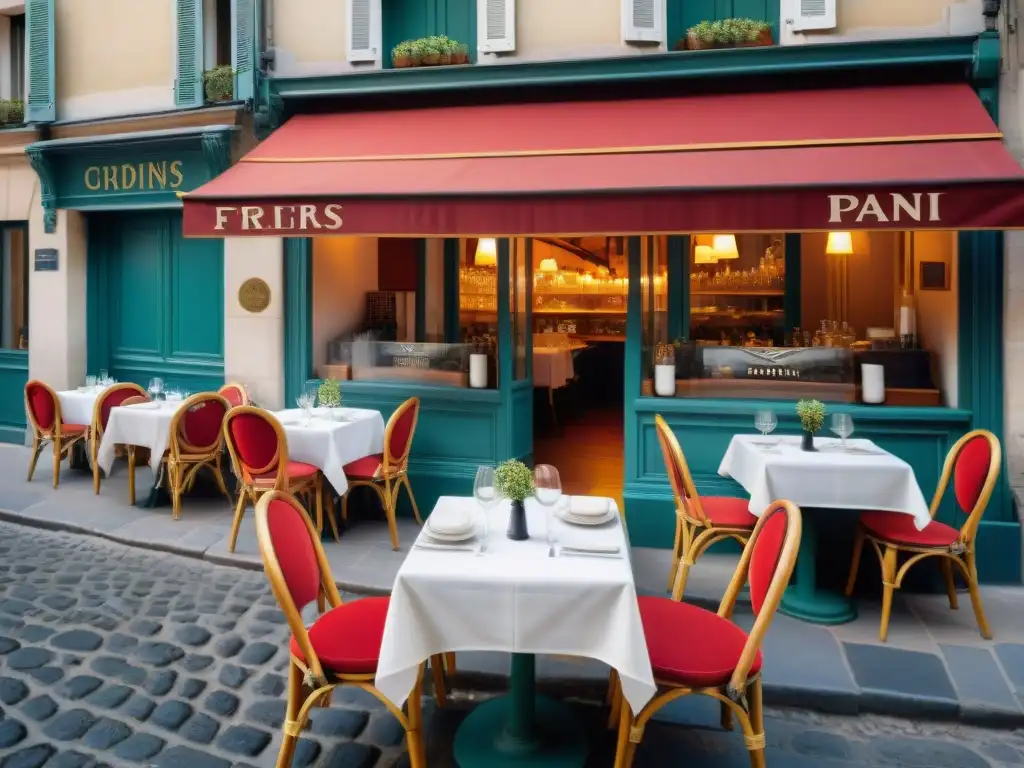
[588, 506]
[450, 520]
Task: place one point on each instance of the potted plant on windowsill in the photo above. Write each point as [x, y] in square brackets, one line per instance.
[812, 418]
[219, 83]
[12, 112]
[727, 33]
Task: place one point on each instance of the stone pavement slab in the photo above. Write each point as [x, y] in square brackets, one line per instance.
[834, 669]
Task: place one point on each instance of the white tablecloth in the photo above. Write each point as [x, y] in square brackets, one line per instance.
[515, 598]
[865, 477]
[552, 367]
[77, 407]
[145, 424]
[330, 445]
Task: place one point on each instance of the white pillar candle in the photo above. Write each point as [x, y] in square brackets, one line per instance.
[478, 371]
[665, 380]
[872, 383]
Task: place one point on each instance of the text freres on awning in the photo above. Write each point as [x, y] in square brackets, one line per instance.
[302, 218]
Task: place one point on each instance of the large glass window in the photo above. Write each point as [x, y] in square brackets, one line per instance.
[767, 323]
[14, 286]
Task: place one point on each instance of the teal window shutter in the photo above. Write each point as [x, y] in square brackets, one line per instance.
[188, 83]
[243, 48]
[41, 106]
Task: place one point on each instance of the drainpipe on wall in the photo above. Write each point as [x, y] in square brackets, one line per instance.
[267, 35]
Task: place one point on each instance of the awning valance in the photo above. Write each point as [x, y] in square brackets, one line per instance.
[897, 157]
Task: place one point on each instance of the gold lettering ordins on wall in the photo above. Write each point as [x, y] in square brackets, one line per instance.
[135, 177]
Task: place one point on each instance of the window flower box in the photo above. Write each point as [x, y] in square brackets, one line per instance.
[727, 33]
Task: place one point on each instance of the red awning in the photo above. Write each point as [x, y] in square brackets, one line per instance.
[900, 157]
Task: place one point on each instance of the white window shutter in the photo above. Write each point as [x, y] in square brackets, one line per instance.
[364, 39]
[810, 15]
[496, 25]
[643, 21]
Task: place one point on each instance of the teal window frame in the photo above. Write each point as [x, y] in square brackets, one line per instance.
[189, 87]
[7, 227]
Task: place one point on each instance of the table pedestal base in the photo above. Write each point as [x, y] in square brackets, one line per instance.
[557, 738]
[521, 730]
[802, 599]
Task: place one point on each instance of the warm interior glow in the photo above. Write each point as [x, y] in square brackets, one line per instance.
[704, 254]
[724, 247]
[548, 265]
[486, 252]
[839, 243]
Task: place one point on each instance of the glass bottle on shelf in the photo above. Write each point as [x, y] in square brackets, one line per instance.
[908, 321]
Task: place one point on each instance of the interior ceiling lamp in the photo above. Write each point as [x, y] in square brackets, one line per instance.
[839, 243]
[548, 266]
[486, 252]
[704, 254]
[724, 247]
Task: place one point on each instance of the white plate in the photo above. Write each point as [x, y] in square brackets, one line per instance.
[450, 521]
[434, 538]
[585, 508]
[572, 519]
[449, 535]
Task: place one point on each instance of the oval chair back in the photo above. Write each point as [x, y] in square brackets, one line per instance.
[198, 426]
[111, 397]
[767, 561]
[234, 393]
[973, 463]
[296, 566]
[136, 399]
[257, 445]
[684, 490]
[43, 408]
[398, 436]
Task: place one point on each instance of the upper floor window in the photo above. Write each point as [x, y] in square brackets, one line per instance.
[16, 49]
[216, 33]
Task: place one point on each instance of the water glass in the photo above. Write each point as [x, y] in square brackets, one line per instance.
[765, 422]
[547, 490]
[90, 382]
[103, 378]
[842, 425]
[486, 494]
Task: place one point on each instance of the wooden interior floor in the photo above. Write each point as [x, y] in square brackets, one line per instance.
[588, 453]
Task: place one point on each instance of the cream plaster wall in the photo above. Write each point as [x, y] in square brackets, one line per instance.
[310, 35]
[114, 57]
[344, 271]
[19, 188]
[56, 310]
[937, 311]
[254, 343]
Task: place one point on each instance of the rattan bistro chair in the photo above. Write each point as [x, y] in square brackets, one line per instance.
[342, 646]
[973, 463]
[234, 393]
[700, 521]
[695, 651]
[197, 442]
[112, 397]
[43, 409]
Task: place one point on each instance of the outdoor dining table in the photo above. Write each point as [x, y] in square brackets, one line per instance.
[76, 406]
[515, 597]
[331, 438]
[861, 477]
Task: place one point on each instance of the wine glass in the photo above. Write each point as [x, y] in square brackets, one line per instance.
[842, 425]
[765, 422]
[156, 386]
[548, 490]
[486, 494]
[103, 377]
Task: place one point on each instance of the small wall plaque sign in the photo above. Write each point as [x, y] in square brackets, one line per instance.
[46, 260]
[934, 276]
[254, 295]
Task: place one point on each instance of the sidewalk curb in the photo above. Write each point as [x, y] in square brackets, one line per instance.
[829, 701]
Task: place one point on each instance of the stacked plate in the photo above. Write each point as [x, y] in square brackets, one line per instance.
[587, 510]
[449, 525]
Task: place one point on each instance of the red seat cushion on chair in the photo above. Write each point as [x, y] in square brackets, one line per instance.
[690, 645]
[297, 470]
[728, 511]
[366, 467]
[73, 429]
[347, 638]
[899, 529]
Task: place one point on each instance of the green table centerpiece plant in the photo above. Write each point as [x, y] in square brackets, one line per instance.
[514, 481]
[812, 419]
[328, 394]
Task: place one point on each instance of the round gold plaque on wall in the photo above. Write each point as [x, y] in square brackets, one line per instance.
[254, 295]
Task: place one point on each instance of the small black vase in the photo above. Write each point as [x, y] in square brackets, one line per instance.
[517, 523]
[808, 442]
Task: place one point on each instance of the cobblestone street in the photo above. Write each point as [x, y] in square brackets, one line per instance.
[118, 656]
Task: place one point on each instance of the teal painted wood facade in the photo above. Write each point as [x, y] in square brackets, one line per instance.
[680, 15]
[13, 361]
[413, 19]
[155, 303]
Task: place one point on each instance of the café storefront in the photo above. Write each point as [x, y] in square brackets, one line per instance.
[154, 302]
[724, 226]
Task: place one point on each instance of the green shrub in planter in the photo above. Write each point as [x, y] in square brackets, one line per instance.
[219, 83]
